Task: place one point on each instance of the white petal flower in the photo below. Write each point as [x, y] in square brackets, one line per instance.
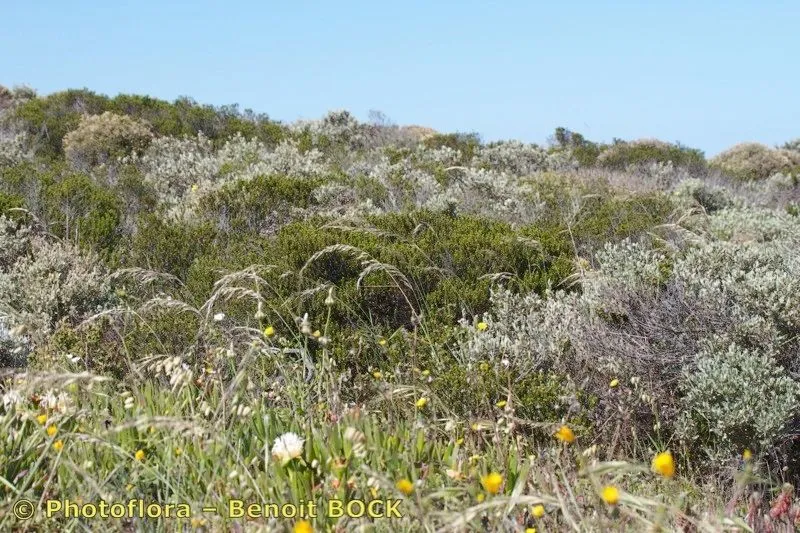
[219, 317]
[287, 447]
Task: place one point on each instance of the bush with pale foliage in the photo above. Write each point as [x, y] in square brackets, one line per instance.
[102, 139]
[755, 161]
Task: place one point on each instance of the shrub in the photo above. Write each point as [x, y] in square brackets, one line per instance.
[86, 211]
[735, 398]
[103, 139]
[707, 196]
[260, 205]
[465, 143]
[6, 98]
[49, 281]
[754, 161]
[50, 118]
[444, 258]
[513, 157]
[14, 148]
[166, 245]
[623, 154]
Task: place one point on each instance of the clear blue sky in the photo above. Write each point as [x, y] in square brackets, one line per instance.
[706, 73]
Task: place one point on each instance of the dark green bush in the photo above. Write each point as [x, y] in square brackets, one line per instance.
[80, 208]
[442, 257]
[467, 143]
[622, 154]
[168, 246]
[259, 205]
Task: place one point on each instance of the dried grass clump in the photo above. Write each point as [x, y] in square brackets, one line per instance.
[755, 161]
[102, 139]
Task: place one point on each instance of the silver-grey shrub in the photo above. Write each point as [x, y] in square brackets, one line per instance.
[48, 281]
[735, 398]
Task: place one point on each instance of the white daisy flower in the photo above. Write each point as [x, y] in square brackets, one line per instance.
[219, 317]
[287, 447]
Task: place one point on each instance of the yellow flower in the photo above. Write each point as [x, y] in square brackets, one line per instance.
[480, 497]
[269, 331]
[377, 374]
[664, 464]
[178, 451]
[139, 455]
[51, 430]
[422, 402]
[303, 526]
[58, 445]
[482, 326]
[317, 334]
[382, 342]
[538, 511]
[747, 454]
[530, 530]
[405, 486]
[460, 441]
[426, 372]
[194, 187]
[484, 366]
[492, 482]
[41, 419]
[610, 495]
[501, 403]
[197, 522]
[129, 487]
[565, 434]
[614, 383]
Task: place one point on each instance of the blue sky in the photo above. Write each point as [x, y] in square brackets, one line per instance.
[706, 73]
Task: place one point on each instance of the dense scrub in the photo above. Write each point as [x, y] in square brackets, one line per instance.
[451, 322]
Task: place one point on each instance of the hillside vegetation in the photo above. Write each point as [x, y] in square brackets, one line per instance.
[200, 304]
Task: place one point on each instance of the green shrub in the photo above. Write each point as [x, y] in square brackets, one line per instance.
[261, 204]
[442, 257]
[466, 143]
[168, 246]
[10, 201]
[80, 208]
[50, 118]
[623, 154]
[613, 218]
